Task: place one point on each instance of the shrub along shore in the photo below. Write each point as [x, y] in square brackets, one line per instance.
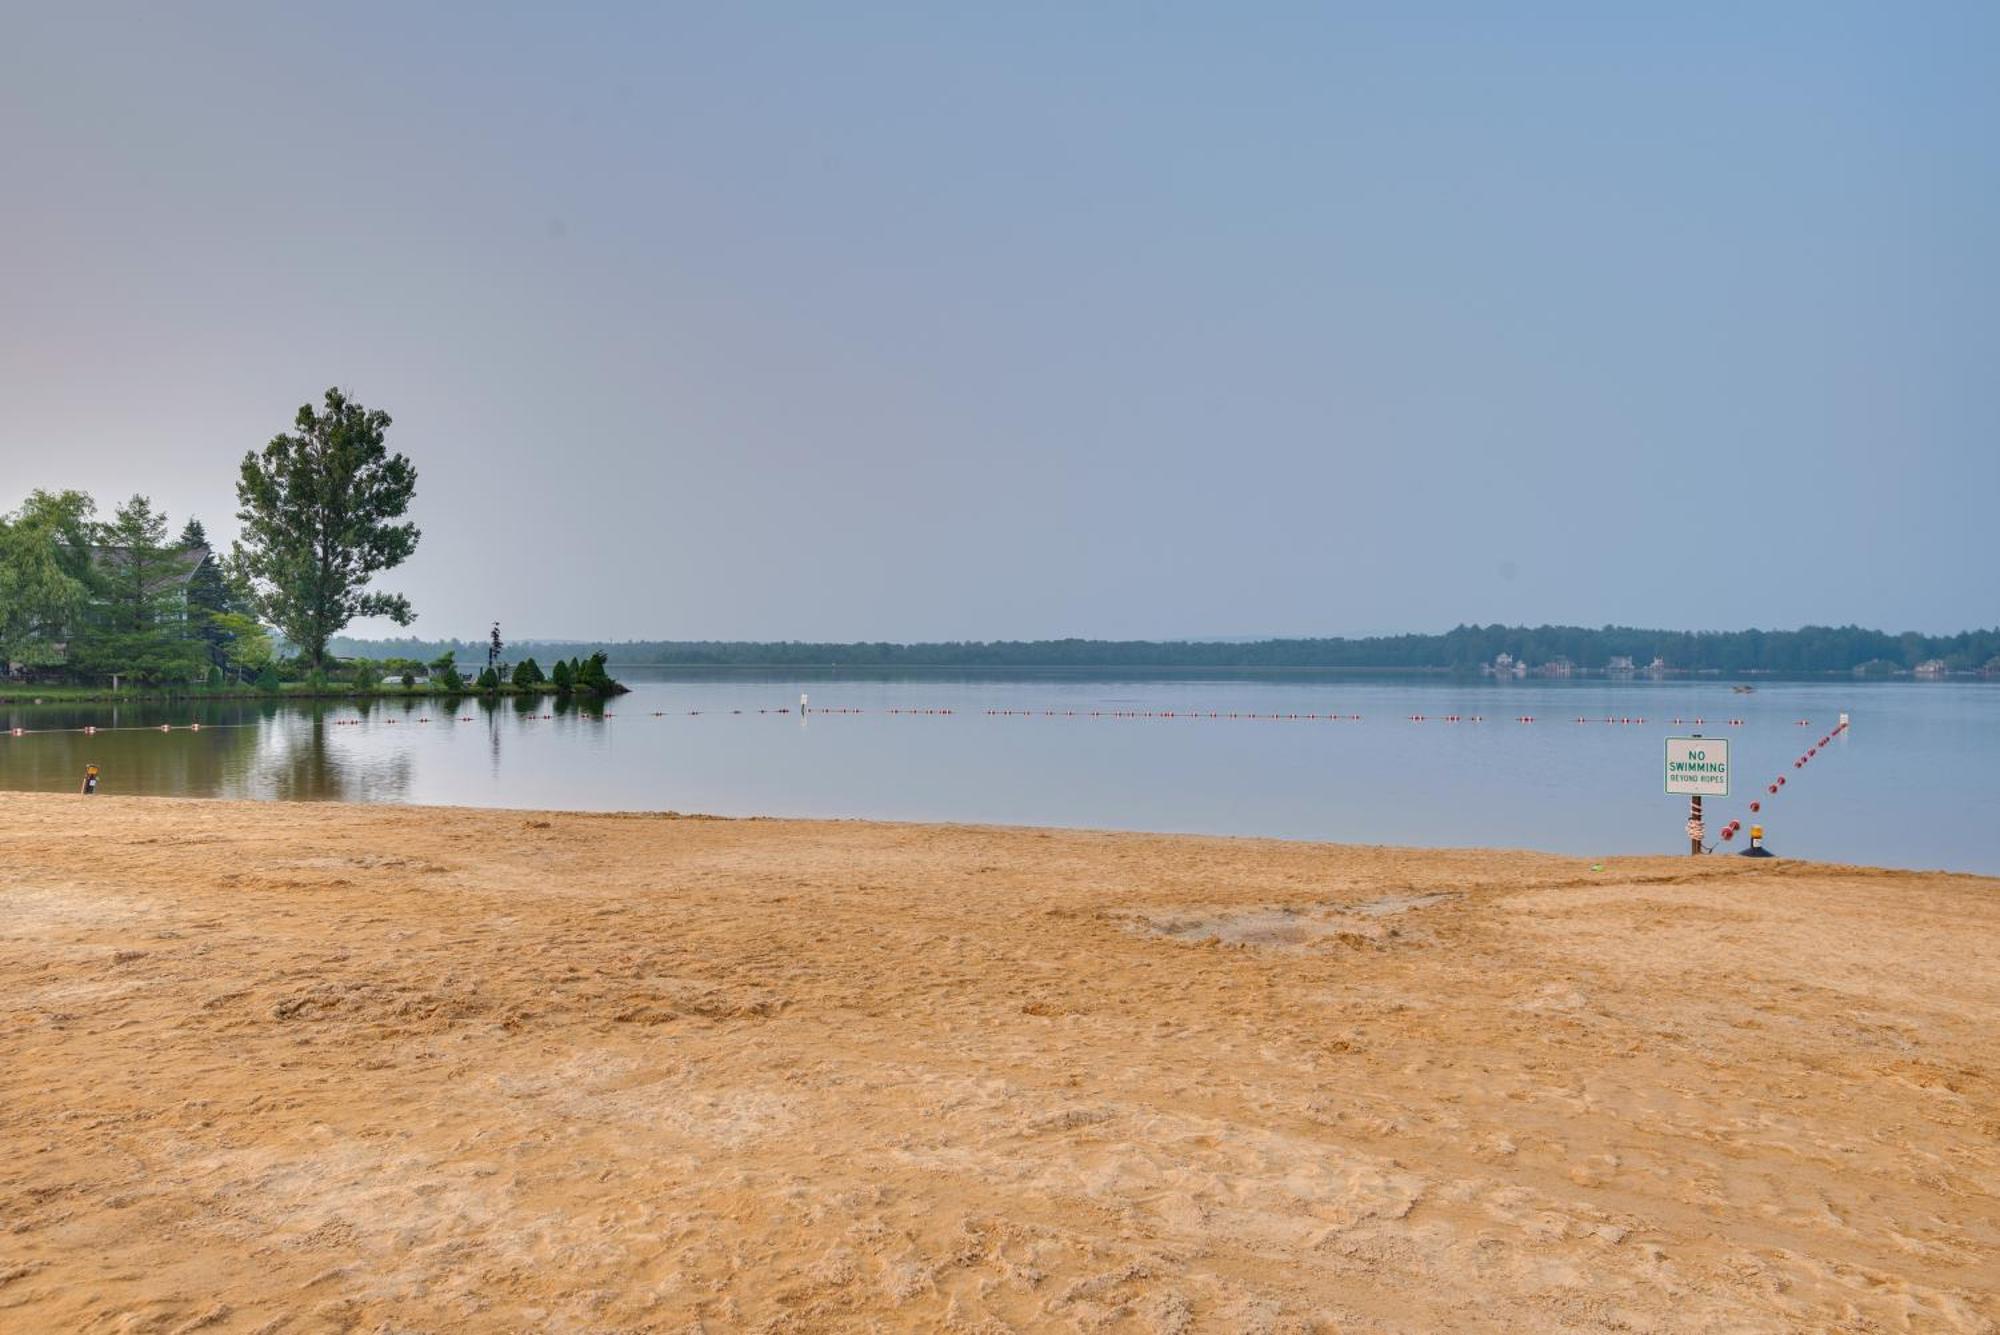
[23, 694]
[582, 678]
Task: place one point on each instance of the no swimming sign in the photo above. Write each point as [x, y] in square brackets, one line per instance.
[1698, 766]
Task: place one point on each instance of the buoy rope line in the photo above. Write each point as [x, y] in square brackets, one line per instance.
[835, 711]
[1777, 785]
[90, 728]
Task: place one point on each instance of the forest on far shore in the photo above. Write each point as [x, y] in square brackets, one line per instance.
[1807, 650]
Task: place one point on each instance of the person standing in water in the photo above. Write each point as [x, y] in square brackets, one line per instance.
[89, 780]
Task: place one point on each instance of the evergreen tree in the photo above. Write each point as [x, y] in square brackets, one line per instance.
[562, 678]
[209, 595]
[528, 674]
[137, 624]
[593, 678]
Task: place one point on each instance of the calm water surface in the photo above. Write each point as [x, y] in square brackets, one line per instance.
[1912, 784]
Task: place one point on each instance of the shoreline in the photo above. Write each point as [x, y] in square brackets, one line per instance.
[1719, 862]
[12, 695]
[492, 1069]
[68, 695]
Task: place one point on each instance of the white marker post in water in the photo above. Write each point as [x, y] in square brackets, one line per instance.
[1698, 767]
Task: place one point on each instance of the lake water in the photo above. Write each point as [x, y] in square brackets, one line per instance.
[1912, 783]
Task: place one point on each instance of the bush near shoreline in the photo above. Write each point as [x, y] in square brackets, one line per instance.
[291, 690]
[361, 680]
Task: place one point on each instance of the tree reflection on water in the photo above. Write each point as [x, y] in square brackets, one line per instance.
[243, 749]
[302, 759]
[181, 763]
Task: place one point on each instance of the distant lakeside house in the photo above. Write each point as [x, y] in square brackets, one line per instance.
[1506, 667]
[189, 561]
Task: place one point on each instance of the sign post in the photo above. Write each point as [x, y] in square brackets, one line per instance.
[1698, 767]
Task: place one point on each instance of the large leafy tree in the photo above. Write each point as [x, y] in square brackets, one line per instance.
[44, 575]
[138, 623]
[322, 509]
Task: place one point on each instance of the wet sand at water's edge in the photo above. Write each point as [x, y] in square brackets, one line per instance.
[316, 1068]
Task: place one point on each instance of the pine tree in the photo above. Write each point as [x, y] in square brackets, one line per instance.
[209, 597]
[137, 624]
[592, 677]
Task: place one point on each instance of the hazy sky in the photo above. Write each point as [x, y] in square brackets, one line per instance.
[924, 321]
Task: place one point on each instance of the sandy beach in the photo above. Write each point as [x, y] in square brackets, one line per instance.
[314, 1067]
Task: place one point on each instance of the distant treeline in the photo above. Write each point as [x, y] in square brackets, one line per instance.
[1810, 649]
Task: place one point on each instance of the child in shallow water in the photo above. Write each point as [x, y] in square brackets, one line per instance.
[89, 780]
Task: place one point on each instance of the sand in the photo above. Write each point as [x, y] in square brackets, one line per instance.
[316, 1068]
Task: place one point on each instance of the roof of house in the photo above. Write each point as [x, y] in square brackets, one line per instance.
[191, 559]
